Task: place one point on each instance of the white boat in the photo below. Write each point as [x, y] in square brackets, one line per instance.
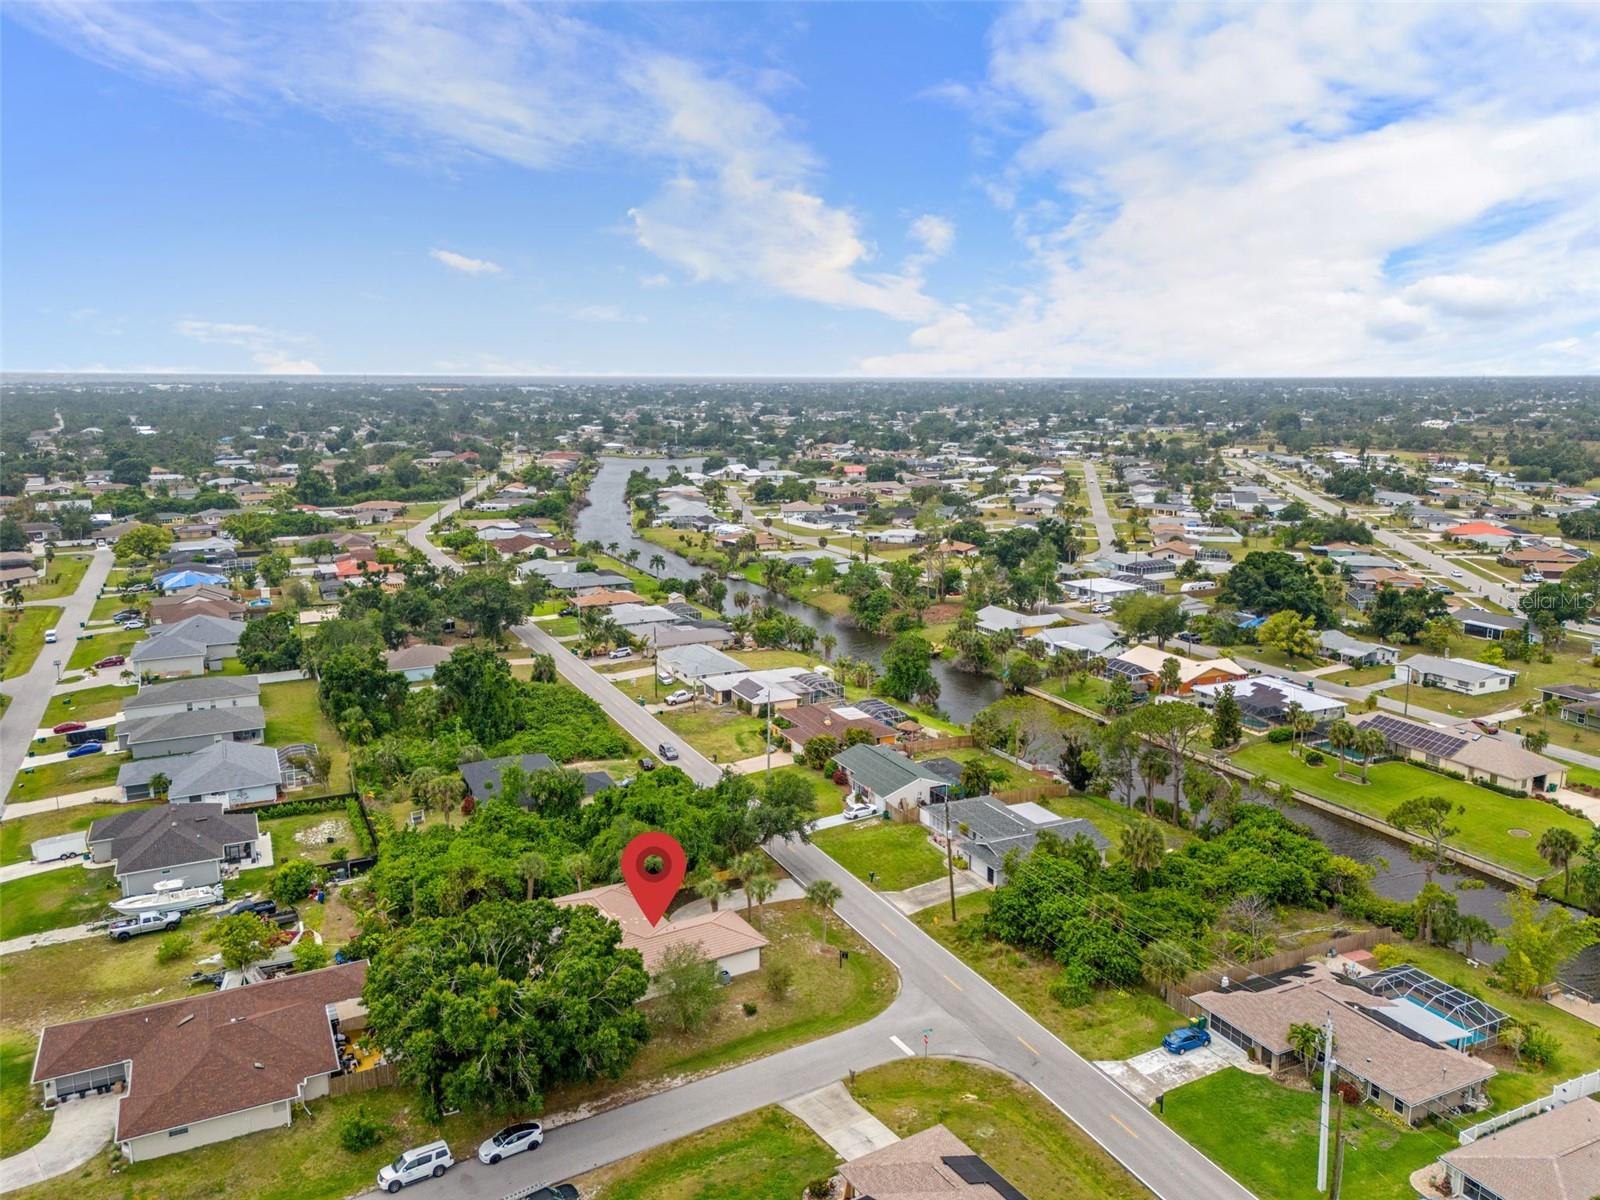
[170, 899]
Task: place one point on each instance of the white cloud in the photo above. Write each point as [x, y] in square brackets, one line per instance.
[460, 262]
[268, 347]
[934, 234]
[604, 313]
[1240, 190]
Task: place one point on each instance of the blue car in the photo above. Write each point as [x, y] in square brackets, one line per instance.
[86, 749]
[1180, 1041]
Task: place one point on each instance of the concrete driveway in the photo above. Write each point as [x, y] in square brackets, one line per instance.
[78, 1131]
[836, 1118]
[1155, 1072]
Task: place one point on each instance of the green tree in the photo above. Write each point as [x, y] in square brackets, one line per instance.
[1226, 728]
[274, 567]
[359, 694]
[293, 882]
[476, 685]
[1271, 581]
[310, 954]
[271, 643]
[1439, 634]
[906, 665]
[1306, 1041]
[1538, 943]
[243, 939]
[1291, 633]
[823, 894]
[1558, 847]
[492, 1008]
[1165, 962]
[487, 601]
[1142, 848]
[686, 986]
[143, 543]
[1428, 817]
[160, 785]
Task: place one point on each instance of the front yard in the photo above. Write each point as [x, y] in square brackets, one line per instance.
[54, 900]
[1264, 1134]
[92, 647]
[1502, 829]
[66, 777]
[721, 734]
[23, 633]
[86, 704]
[1115, 1024]
[18, 833]
[1565, 667]
[61, 577]
[888, 855]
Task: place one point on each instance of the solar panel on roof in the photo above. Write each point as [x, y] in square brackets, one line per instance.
[971, 1169]
[1417, 737]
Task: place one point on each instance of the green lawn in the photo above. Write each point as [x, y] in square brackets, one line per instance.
[1110, 818]
[293, 715]
[92, 647]
[61, 577]
[1485, 825]
[22, 1121]
[758, 1156]
[1274, 657]
[899, 856]
[764, 660]
[829, 795]
[54, 900]
[86, 704]
[1006, 775]
[110, 604]
[722, 734]
[1264, 1134]
[306, 836]
[1359, 676]
[25, 628]
[1565, 667]
[18, 833]
[1116, 1024]
[1086, 691]
[66, 777]
[1016, 1130]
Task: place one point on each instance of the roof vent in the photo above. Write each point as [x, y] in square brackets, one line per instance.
[259, 1066]
[185, 1019]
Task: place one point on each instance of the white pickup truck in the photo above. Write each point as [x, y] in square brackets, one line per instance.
[150, 922]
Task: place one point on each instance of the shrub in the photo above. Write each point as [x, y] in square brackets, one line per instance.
[1313, 758]
[300, 808]
[780, 978]
[293, 882]
[1387, 955]
[173, 947]
[1280, 735]
[340, 853]
[1540, 1048]
[820, 1187]
[310, 955]
[1350, 1093]
[749, 1008]
[1073, 988]
[356, 812]
[358, 1131]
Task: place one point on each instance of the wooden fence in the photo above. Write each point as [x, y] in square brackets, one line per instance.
[960, 741]
[382, 1075]
[1210, 981]
[1022, 795]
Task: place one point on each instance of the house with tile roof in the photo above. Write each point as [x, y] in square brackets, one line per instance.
[932, 1165]
[207, 1067]
[1554, 1155]
[722, 937]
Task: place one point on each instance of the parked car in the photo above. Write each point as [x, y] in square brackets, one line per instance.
[150, 922]
[1181, 1041]
[681, 696]
[665, 676]
[856, 808]
[420, 1162]
[69, 727]
[1458, 574]
[112, 660]
[621, 652]
[513, 1139]
[261, 907]
[647, 764]
[1101, 608]
[125, 614]
[1486, 726]
[1187, 636]
[133, 624]
[668, 752]
[49, 637]
[84, 750]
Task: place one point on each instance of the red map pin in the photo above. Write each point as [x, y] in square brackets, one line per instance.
[652, 866]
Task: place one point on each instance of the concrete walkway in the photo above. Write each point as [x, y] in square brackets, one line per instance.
[23, 869]
[53, 937]
[836, 1118]
[28, 808]
[757, 763]
[935, 891]
[79, 1130]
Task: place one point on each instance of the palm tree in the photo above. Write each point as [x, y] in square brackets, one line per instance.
[711, 888]
[1142, 847]
[829, 641]
[1156, 768]
[159, 785]
[657, 565]
[1306, 1041]
[1304, 724]
[1556, 847]
[1341, 737]
[1369, 742]
[1471, 929]
[824, 894]
[533, 867]
[576, 865]
[760, 888]
[741, 600]
[1291, 716]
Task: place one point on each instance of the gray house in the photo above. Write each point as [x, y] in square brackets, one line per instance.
[190, 842]
[483, 777]
[186, 732]
[987, 830]
[416, 663]
[191, 695]
[1356, 652]
[192, 646]
[888, 779]
[224, 772]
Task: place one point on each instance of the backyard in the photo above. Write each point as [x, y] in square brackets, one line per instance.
[1268, 1141]
[311, 836]
[1502, 829]
[887, 854]
[23, 631]
[1115, 1024]
[1086, 691]
[293, 715]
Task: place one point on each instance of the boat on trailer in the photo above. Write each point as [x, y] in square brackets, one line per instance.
[170, 896]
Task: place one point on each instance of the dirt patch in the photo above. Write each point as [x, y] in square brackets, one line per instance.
[941, 614]
[334, 829]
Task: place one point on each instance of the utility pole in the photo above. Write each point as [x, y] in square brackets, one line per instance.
[1327, 1084]
[950, 853]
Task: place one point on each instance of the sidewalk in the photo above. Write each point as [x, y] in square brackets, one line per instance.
[28, 808]
[52, 937]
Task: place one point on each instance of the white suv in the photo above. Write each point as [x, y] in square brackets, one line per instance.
[855, 808]
[422, 1162]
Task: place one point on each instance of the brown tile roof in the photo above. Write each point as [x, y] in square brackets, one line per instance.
[814, 720]
[1412, 1070]
[1554, 1156]
[932, 1165]
[719, 934]
[208, 1055]
[605, 598]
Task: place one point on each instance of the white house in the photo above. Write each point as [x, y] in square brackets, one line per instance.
[992, 619]
[1455, 674]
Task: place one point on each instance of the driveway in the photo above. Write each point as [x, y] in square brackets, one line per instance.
[78, 1131]
[52, 937]
[935, 891]
[27, 808]
[836, 1118]
[1155, 1072]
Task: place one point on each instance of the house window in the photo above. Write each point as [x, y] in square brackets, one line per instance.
[1399, 1106]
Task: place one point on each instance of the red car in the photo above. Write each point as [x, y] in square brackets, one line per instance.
[115, 660]
[69, 727]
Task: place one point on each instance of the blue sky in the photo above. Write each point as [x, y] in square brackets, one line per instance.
[833, 189]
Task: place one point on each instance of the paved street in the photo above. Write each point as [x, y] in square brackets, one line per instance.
[30, 693]
[964, 1012]
[1104, 529]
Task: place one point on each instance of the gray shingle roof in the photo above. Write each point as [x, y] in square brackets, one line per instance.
[192, 691]
[483, 777]
[201, 722]
[192, 635]
[172, 835]
[220, 767]
[882, 770]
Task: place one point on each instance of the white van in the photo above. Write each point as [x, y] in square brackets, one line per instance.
[49, 637]
[422, 1162]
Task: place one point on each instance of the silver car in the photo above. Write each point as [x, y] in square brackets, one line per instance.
[513, 1139]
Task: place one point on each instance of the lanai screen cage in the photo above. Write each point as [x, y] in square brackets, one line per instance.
[1479, 1022]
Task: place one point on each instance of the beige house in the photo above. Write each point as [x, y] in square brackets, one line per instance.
[1552, 1156]
[724, 937]
[932, 1165]
[205, 1068]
